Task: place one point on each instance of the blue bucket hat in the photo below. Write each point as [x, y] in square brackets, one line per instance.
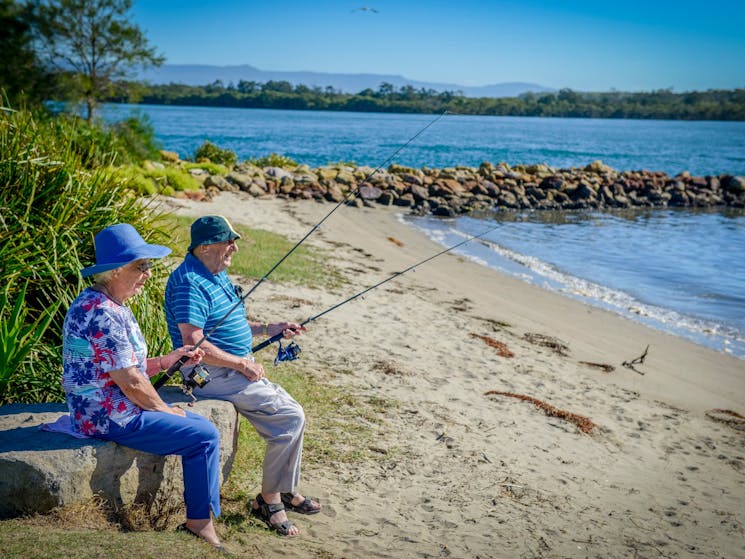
[118, 245]
[211, 229]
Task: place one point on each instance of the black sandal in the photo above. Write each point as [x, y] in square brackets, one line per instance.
[306, 507]
[265, 512]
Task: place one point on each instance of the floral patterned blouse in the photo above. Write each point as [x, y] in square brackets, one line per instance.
[99, 336]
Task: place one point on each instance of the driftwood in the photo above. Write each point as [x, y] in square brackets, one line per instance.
[584, 424]
[603, 366]
[636, 361]
[729, 417]
[395, 241]
[550, 342]
[501, 348]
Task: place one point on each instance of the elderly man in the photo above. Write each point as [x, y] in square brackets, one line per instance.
[198, 296]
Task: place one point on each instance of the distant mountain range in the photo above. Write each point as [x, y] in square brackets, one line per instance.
[196, 74]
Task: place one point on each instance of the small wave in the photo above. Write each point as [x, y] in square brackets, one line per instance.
[538, 272]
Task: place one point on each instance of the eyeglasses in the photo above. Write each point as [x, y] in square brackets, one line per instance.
[143, 266]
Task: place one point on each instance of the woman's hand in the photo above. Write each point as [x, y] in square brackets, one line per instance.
[288, 329]
[195, 356]
[175, 410]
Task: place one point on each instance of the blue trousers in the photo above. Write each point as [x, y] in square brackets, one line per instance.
[193, 438]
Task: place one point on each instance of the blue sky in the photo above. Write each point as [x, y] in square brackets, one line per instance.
[597, 45]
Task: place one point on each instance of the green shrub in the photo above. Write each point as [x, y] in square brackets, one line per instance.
[211, 168]
[274, 160]
[214, 154]
[154, 180]
[51, 207]
[136, 179]
[180, 180]
[129, 141]
[135, 139]
[20, 340]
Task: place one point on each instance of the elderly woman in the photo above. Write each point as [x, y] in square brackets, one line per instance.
[107, 373]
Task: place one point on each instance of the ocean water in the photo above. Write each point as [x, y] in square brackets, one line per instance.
[675, 270]
[321, 137]
[679, 271]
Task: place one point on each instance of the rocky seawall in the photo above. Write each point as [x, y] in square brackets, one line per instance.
[459, 190]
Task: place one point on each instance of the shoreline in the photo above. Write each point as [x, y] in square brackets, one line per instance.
[713, 332]
[464, 474]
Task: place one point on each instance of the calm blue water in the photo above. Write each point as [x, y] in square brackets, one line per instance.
[675, 270]
[679, 271]
[320, 137]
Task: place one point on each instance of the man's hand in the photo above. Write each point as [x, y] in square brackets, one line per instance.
[287, 329]
[253, 371]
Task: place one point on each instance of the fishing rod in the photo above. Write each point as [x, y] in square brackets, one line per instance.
[292, 351]
[199, 376]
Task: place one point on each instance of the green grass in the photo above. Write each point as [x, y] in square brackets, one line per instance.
[29, 540]
[338, 425]
[52, 206]
[340, 429]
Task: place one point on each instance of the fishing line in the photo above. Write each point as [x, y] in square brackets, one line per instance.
[199, 377]
[292, 351]
[353, 193]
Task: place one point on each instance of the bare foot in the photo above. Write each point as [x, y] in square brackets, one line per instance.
[203, 528]
[298, 500]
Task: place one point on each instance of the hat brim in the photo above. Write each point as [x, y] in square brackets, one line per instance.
[144, 251]
[231, 236]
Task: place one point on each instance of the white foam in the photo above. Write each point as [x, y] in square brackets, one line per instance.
[535, 271]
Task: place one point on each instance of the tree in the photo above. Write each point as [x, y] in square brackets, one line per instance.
[21, 74]
[386, 89]
[247, 86]
[280, 86]
[92, 43]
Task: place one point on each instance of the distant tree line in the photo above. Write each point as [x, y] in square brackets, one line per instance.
[660, 104]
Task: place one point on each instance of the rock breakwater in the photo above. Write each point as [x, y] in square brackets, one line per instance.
[459, 190]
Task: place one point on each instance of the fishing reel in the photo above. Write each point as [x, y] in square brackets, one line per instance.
[288, 353]
[197, 378]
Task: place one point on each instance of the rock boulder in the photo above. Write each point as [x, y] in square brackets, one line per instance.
[41, 470]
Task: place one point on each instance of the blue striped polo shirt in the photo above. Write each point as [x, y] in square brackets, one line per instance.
[196, 296]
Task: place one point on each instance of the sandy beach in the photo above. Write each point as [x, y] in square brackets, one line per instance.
[467, 474]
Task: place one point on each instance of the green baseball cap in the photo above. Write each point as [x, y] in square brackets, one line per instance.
[211, 229]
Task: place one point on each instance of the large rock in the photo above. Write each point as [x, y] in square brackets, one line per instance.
[41, 470]
[733, 184]
[220, 183]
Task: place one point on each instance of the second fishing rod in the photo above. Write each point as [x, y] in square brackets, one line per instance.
[199, 376]
[292, 351]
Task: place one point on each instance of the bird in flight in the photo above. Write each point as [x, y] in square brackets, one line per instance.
[365, 9]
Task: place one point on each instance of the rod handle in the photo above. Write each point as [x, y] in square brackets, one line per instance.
[265, 343]
[165, 377]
